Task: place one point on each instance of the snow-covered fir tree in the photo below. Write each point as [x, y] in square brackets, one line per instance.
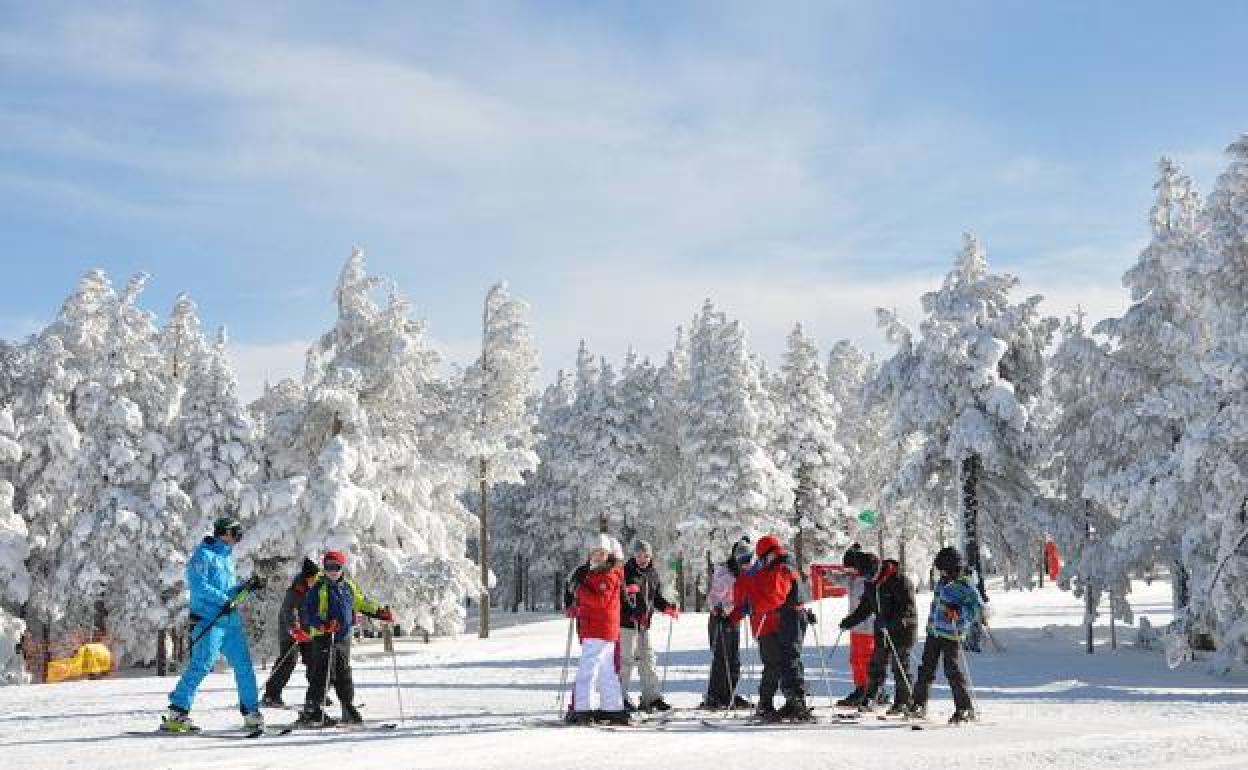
[807, 449]
[736, 487]
[14, 550]
[960, 395]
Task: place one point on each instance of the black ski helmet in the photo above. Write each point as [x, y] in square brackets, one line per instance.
[852, 557]
[949, 559]
[227, 525]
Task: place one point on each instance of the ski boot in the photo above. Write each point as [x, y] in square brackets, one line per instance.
[917, 711]
[315, 717]
[253, 720]
[658, 704]
[350, 715]
[581, 717]
[796, 710]
[629, 706]
[614, 718]
[741, 702]
[962, 716]
[852, 700]
[271, 702]
[178, 721]
[896, 710]
[766, 712]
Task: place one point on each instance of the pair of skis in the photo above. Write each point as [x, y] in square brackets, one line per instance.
[258, 732]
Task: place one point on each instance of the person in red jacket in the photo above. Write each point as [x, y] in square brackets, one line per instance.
[597, 611]
[771, 594]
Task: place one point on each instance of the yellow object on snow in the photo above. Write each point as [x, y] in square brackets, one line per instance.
[89, 660]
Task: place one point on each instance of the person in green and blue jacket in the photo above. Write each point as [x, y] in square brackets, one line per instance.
[956, 607]
[325, 629]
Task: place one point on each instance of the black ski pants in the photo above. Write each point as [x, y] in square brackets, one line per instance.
[782, 658]
[883, 658]
[725, 639]
[935, 648]
[338, 670]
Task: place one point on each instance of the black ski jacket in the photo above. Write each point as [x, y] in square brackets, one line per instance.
[637, 609]
[890, 597]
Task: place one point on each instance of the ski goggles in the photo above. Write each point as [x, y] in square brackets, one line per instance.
[332, 567]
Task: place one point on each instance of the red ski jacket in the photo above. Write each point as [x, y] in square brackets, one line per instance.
[765, 592]
[598, 601]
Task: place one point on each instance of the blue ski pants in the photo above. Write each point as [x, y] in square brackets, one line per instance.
[225, 637]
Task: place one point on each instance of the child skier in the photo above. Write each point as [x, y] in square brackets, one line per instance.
[861, 636]
[287, 619]
[725, 636]
[597, 612]
[956, 606]
[325, 629]
[636, 614]
[218, 627]
[889, 596]
[771, 594]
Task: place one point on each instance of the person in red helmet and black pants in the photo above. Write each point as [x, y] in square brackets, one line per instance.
[772, 594]
[327, 614]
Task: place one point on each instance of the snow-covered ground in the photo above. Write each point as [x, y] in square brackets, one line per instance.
[471, 703]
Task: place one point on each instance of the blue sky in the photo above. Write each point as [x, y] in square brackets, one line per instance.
[616, 162]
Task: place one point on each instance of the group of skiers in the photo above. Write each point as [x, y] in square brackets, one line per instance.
[316, 618]
[612, 603]
[883, 628]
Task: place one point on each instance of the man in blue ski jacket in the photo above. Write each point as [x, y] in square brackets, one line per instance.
[218, 627]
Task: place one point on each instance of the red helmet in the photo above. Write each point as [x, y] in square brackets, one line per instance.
[768, 543]
[335, 557]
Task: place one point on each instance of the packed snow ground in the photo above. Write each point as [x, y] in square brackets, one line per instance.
[470, 704]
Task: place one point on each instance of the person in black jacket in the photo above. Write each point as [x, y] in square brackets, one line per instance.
[889, 596]
[643, 594]
[288, 618]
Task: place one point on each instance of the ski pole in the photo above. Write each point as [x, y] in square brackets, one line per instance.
[667, 654]
[328, 670]
[823, 664]
[970, 681]
[901, 668]
[398, 691]
[563, 676]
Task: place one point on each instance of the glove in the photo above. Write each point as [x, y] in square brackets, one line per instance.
[332, 627]
[672, 612]
[811, 617]
[385, 615]
[299, 635]
[845, 624]
[572, 612]
[632, 588]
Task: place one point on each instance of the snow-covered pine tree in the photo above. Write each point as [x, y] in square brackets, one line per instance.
[1212, 454]
[736, 487]
[499, 384]
[384, 460]
[807, 449]
[111, 565]
[960, 395]
[14, 549]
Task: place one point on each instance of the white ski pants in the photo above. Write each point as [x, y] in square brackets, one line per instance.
[597, 685]
[636, 651]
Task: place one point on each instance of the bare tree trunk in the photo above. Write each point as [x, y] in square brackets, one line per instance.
[484, 544]
[517, 583]
[162, 662]
[970, 518]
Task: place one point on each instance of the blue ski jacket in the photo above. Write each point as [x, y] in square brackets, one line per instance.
[956, 606]
[210, 576]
